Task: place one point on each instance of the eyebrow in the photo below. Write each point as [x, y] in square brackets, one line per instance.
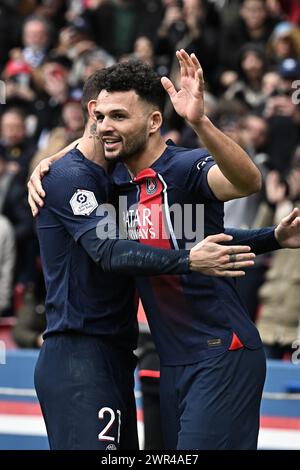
[117, 110]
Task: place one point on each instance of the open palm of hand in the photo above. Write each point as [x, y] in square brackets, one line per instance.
[188, 102]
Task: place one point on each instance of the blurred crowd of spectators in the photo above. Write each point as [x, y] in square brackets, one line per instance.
[250, 53]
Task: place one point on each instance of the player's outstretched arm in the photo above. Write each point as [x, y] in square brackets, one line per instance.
[285, 235]
[235, 175]
[36, 192]
[93, 224]
[260, 240]
[207, 257]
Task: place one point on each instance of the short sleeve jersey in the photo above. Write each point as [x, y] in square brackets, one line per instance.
[170, 205]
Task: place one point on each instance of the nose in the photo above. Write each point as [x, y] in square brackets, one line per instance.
[105, 125]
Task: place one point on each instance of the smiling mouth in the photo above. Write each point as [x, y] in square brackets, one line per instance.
[111, 144]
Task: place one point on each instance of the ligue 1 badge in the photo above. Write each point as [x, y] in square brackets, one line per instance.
[151, 185]
[83, 202]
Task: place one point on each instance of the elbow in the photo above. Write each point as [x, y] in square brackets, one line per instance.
[257, 183]
[254, 184]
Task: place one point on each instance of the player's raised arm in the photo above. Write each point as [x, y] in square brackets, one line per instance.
[235, 175]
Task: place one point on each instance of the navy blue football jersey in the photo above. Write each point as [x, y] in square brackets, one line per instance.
[170, 205]
[81, 297]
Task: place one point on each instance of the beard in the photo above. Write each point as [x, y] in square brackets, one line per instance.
[130, 147]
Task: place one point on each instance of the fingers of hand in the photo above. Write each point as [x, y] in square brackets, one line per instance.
[36, 184]
[34, 194]
[182, 64]
[168, 86]
[238, 265]
[200, 80]
[232, 250]
[229, 273]
[234, 258]
[44, 168]
[189, 64]
[291, 217]
[199, 71]
[33, 207]
[196, 61]
[219, 238]
[236, 262]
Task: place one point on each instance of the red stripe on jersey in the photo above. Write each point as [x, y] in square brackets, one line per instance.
[153, 233]
[141, 314]
[151, 230]
[235, 343]
[139, 415]
[155, 374]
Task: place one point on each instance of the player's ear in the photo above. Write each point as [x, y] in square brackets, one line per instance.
[155, 121]
[91, 108]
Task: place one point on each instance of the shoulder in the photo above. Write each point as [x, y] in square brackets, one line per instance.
[72, 177]
[181, 161]
[72, 170]
[192, 155]
[187, 169]
[69, 166]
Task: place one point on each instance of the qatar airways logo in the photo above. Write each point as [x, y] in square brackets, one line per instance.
[154, 222]
[139, 225]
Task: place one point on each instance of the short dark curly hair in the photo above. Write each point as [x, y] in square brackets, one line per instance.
[137, 76]
[91, 90]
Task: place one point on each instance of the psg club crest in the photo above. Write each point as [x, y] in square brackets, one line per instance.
[151, 185]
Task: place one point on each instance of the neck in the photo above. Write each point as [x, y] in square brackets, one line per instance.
[155, 147]
[91, 147]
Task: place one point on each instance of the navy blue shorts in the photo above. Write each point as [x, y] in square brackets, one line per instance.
[86, 390]
[215, 403]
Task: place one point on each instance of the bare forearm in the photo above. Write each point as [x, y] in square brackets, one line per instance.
[232, 160]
